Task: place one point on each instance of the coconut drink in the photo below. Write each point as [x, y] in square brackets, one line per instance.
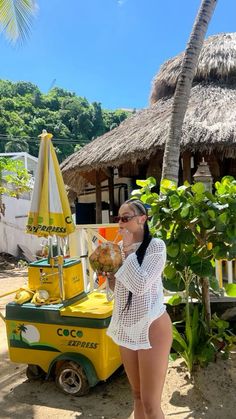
[106, 258]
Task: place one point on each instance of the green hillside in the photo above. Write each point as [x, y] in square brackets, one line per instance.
[25, 111]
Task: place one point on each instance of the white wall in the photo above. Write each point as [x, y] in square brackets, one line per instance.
[13, 227]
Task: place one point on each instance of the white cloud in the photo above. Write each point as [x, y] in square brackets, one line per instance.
[121, 2]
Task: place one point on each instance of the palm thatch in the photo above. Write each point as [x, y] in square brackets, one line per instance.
[217, 62]
[210, 121]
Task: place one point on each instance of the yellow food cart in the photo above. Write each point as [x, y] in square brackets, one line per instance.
[63, 337]
[66, 341]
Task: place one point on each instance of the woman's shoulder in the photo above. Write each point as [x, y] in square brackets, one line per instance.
[157, 244]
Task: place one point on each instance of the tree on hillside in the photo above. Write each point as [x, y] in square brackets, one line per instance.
[16, 18]
[170, 168]
[25, 112]
[13, 146]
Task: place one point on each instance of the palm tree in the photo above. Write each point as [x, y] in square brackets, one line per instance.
[170, 168]
[15, 22]
[16, 17]
[22, 328]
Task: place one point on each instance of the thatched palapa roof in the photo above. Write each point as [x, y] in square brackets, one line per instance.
[217, 62]
[210, 121]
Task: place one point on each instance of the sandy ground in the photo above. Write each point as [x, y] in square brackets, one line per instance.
[211, 396]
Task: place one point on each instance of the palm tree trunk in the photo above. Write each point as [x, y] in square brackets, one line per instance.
[170, 168]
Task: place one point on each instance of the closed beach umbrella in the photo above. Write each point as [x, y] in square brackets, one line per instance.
[50, 211]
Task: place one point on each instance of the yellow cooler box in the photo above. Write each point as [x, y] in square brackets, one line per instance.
[44, 276]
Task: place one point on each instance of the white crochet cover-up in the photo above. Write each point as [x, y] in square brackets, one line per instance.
[130, 327]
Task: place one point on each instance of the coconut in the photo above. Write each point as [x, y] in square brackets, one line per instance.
[106, 258]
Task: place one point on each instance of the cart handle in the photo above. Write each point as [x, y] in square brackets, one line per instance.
[9, 293]
[4, 295]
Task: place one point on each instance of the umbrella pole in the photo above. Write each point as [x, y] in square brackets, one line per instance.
[50, 250]
[60, 270]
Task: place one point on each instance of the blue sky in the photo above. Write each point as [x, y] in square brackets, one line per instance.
[106, 50]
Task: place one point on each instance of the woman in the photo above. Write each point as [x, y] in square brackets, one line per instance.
[140, 324]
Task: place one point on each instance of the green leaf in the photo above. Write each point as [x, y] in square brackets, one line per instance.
[153, 197]
[177, 347]
[217, 185]
[230, 290]
[167, 185]
[221, 221]
[141, 183]
[181, 189]
[205, 221]
[220, 188]
[174, 202]
[195, 326]
[211, 214]
[173, 356]
[173, 249]
[189, 334]
[185, 211]
[177, 336]
[169, 271]
[198, 188]
[144, 198]
[166, 210]
[214, 284]
[16, 19]
[226, 180]
[231, 231]
[210, 196]
[206, 353]
[155, 219]
[189, 248]
[151, 181]
[175, 300]
[174, 285]
[136, 192]
[187, 184]
[186, 237]
[203, 268]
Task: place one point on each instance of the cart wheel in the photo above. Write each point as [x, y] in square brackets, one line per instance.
[71, 379]
[34, 372]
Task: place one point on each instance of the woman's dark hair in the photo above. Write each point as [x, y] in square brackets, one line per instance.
[140, 209]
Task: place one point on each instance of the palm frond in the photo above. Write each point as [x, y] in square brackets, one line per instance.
[16, 18]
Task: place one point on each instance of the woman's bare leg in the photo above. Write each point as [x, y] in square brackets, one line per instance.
[130, 362]
[153, 365]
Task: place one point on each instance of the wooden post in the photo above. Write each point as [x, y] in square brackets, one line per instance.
[98, 199]
[111, 196]
[187, 166]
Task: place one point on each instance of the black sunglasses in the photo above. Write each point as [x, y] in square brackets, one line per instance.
[124, 219]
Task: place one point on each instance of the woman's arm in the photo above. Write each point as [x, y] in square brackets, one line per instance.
[138, 279]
